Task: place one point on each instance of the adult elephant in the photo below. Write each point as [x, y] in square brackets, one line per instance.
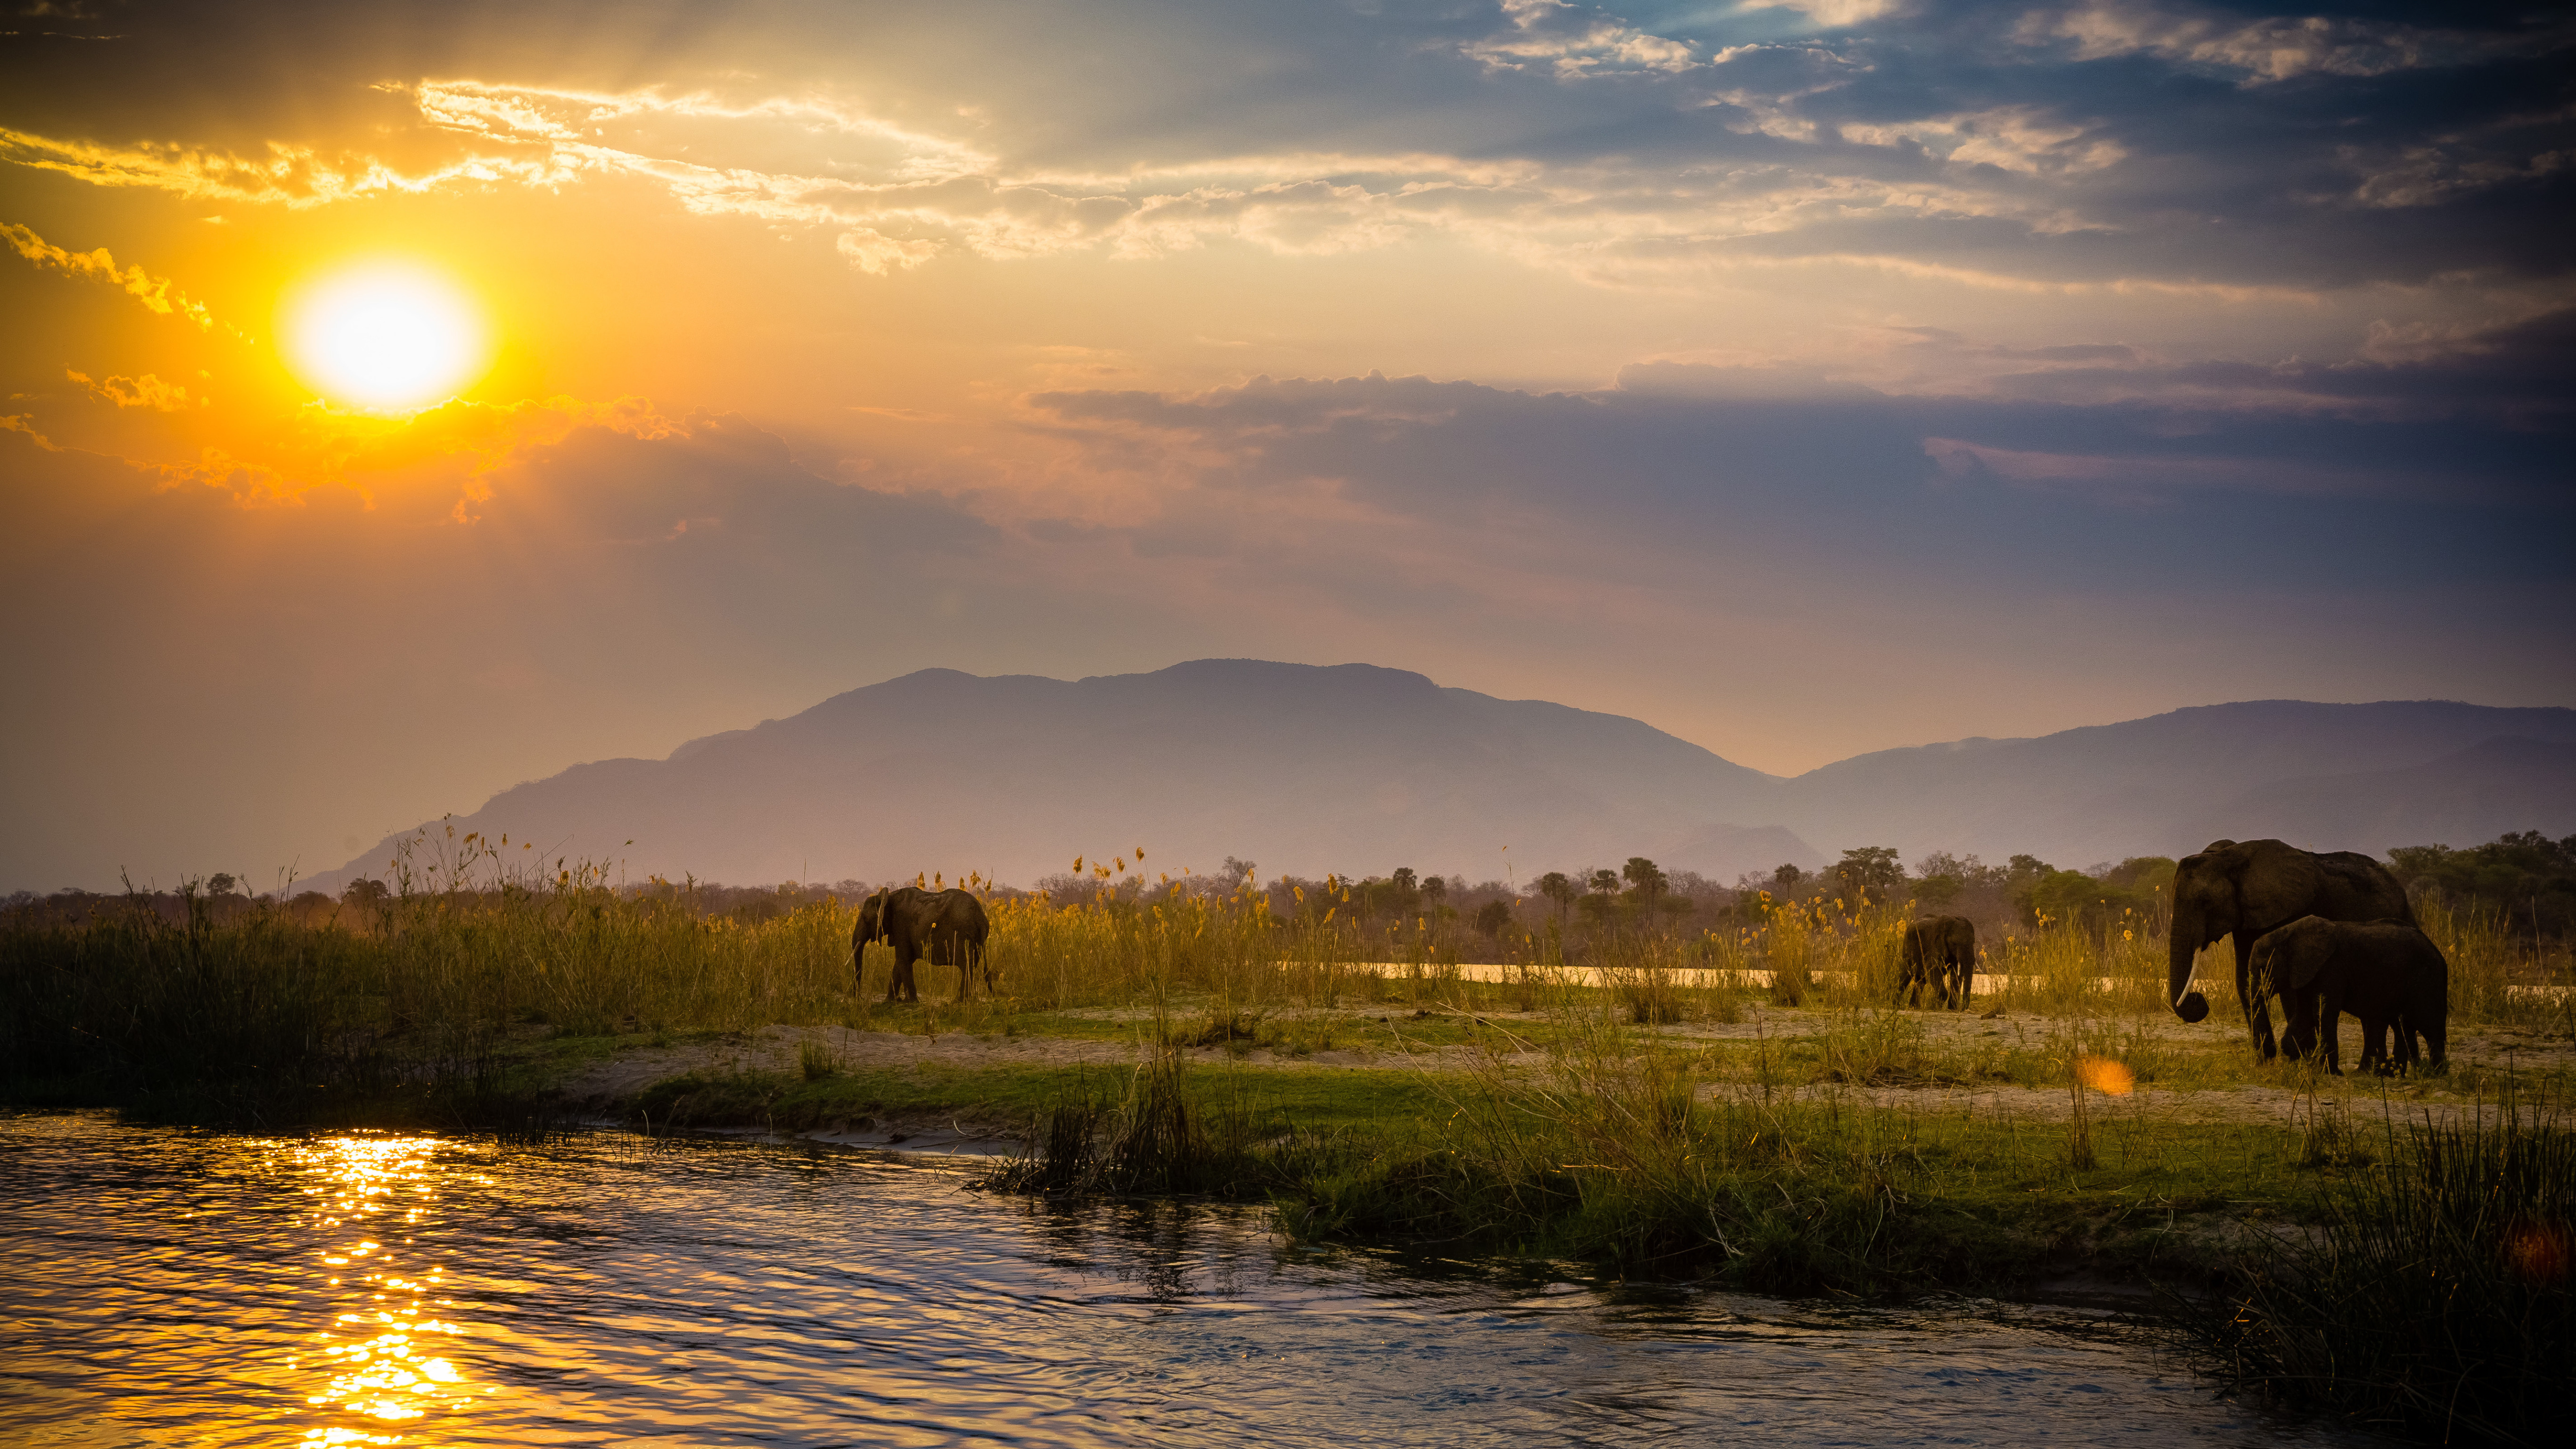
[2242, 890]
[1939, 952]
[2389, 974]
[946, 926]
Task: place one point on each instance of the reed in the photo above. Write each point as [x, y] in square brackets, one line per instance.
[2497, 973]
[1598, 1144]
[2435, 1293]
[1159, 1131]
[2063, 968]
[148, 1005]
[480, 949]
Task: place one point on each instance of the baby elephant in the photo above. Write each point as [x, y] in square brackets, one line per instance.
[1939, 952]
[2385, 972]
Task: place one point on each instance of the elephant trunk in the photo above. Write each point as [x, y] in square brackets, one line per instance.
[2189, 934]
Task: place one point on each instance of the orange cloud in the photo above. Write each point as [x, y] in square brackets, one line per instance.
[146, 391]
[153, 292]
[290, 176]
[19, 423]
[322, 446]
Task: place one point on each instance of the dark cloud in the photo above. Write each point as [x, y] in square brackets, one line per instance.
[2197, 143]
[2453, 470]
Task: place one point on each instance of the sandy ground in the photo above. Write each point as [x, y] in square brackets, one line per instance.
[2365, 1104]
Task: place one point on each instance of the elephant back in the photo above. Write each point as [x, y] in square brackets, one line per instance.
[2358, 888]
[959, 911]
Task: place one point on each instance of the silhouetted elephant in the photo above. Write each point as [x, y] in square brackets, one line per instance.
[1939, 952]
[2387, 973]
[946, 926]
[2244, 890]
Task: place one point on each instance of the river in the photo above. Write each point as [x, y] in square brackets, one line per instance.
[163, 1286]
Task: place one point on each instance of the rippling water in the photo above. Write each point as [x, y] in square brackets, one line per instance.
[163, 1286]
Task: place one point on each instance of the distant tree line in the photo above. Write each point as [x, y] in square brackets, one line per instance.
[2526, 878]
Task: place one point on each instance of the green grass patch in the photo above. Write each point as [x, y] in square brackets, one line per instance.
[1014, 1097]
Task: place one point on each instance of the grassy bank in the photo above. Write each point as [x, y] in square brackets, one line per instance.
[1653, 1111]
[2433, 1294]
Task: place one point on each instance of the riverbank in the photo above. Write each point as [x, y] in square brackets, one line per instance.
[2394, 1251]
[1916, 1151]
[1655, 1113]
[613, 1288]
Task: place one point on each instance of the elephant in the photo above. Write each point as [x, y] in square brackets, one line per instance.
[2243, 890]
[946, 926]
[2388, 974]
[1939, 952]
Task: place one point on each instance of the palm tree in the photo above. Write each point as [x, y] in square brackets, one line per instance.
[1560, 888]
[1646, 878]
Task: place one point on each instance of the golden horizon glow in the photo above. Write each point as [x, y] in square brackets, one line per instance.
[386, 335]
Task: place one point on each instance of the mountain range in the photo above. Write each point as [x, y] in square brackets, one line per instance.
[1305, 769]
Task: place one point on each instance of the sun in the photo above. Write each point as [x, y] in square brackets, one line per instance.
[386, 335]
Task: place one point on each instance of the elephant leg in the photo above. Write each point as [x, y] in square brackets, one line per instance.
[2309, 1030]
[2258, 1017]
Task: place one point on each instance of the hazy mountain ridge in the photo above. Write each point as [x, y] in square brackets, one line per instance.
[1357, 768]
[2172, 782]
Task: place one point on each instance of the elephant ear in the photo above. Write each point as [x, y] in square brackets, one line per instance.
[2274, 881]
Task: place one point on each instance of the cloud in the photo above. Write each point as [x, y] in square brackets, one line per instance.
[2272, 48]
[878, 254]
[2148, 469]
[146, 391]
[442, 457]
[288, 174]
[153, 292]
[1571, 40]
[1833, 14]
[349, 667]
[2131, 146]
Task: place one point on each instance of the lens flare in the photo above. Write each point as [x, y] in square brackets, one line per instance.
[2538, 1250]
[387, 336]
[2106, 1076]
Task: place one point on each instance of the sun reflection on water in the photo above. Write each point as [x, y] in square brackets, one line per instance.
[383, 1363]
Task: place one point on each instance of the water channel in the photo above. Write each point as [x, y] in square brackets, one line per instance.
[161, 1286]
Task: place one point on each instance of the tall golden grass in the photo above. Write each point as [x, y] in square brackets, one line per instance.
[478, 940]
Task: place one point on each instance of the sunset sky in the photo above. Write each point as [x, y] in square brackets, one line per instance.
[1803, 378]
